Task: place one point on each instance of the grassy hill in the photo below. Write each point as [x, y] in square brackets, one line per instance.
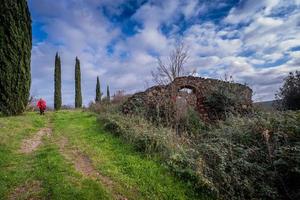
[77, 154]
[67, 155]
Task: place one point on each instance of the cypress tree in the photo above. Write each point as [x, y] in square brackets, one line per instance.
[78, 97]
[15, 53]
[107, 94]
[57, 83]
[98, 91]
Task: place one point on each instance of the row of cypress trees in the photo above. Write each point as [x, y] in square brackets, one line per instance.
[78, 95]
[99, 94]
[15, 54]
[57, 84]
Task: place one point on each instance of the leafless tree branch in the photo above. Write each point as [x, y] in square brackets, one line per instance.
[167, 72]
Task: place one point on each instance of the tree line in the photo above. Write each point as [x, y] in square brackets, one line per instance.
[78, 94]
[15, 55]
[15, 75]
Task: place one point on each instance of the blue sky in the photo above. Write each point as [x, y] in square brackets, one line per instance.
[255, 41]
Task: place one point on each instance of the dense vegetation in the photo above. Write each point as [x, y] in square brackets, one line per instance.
[223, 100]
[78, 96]
[250, 154]
[255, 156]
[15, 45]
[48, 174]
[57, 83]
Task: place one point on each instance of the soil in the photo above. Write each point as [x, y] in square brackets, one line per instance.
[29, 190]
[31, 144]
[84, 165]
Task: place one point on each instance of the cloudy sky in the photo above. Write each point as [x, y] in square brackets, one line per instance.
[255, 41]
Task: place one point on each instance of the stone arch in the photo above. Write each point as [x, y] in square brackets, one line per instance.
[201, 88]
[191, 87]
[199, 98]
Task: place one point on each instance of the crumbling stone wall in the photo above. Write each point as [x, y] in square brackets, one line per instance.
[162, 97]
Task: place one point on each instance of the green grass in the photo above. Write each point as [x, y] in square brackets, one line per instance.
[60, 181]
[133, 174]
[15, 168]
[137, 176]
[58, 178]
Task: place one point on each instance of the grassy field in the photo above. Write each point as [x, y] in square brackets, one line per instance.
[77, 160]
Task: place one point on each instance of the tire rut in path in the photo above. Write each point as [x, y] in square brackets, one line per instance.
[31, 144]
[84, 165]
[28, 190]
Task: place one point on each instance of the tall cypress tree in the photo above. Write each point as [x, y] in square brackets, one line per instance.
[78, 97]
[15, 53]
[98, 91]
[57, 83]
[107, 94]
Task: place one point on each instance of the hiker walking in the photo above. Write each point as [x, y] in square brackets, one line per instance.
[41, 104]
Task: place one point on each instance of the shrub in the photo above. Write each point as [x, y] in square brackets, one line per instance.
[251, 157]
[223, 100]
[194, 125]
[159, 141]
[242, 156]
[119, 97]
[103, 107]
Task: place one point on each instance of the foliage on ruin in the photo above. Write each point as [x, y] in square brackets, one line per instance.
[250, 157]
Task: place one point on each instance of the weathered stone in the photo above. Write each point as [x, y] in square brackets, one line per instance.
[167, 95]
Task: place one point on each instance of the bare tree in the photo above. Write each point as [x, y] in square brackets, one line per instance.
[174, 67]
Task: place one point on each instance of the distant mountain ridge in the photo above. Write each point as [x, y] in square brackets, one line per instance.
[266, 104]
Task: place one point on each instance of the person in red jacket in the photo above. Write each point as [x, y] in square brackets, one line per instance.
[41, 104]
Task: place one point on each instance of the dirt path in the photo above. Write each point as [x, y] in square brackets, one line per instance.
[31, 144]
[84, 165]
[28, 190]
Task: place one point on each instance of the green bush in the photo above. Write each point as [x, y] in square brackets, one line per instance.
[158, 141]
[254, 157]
[251, 157]
[144, 136]
[194, 124]
[223, 101]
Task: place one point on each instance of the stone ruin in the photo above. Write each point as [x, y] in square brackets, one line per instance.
[185, 91]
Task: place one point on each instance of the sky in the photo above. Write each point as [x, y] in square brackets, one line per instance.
[257, 42]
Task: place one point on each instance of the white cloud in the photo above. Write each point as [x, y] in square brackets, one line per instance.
[79, 28]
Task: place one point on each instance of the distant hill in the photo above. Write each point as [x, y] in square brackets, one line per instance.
[269, 105]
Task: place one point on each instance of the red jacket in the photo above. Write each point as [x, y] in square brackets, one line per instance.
[41, 104]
